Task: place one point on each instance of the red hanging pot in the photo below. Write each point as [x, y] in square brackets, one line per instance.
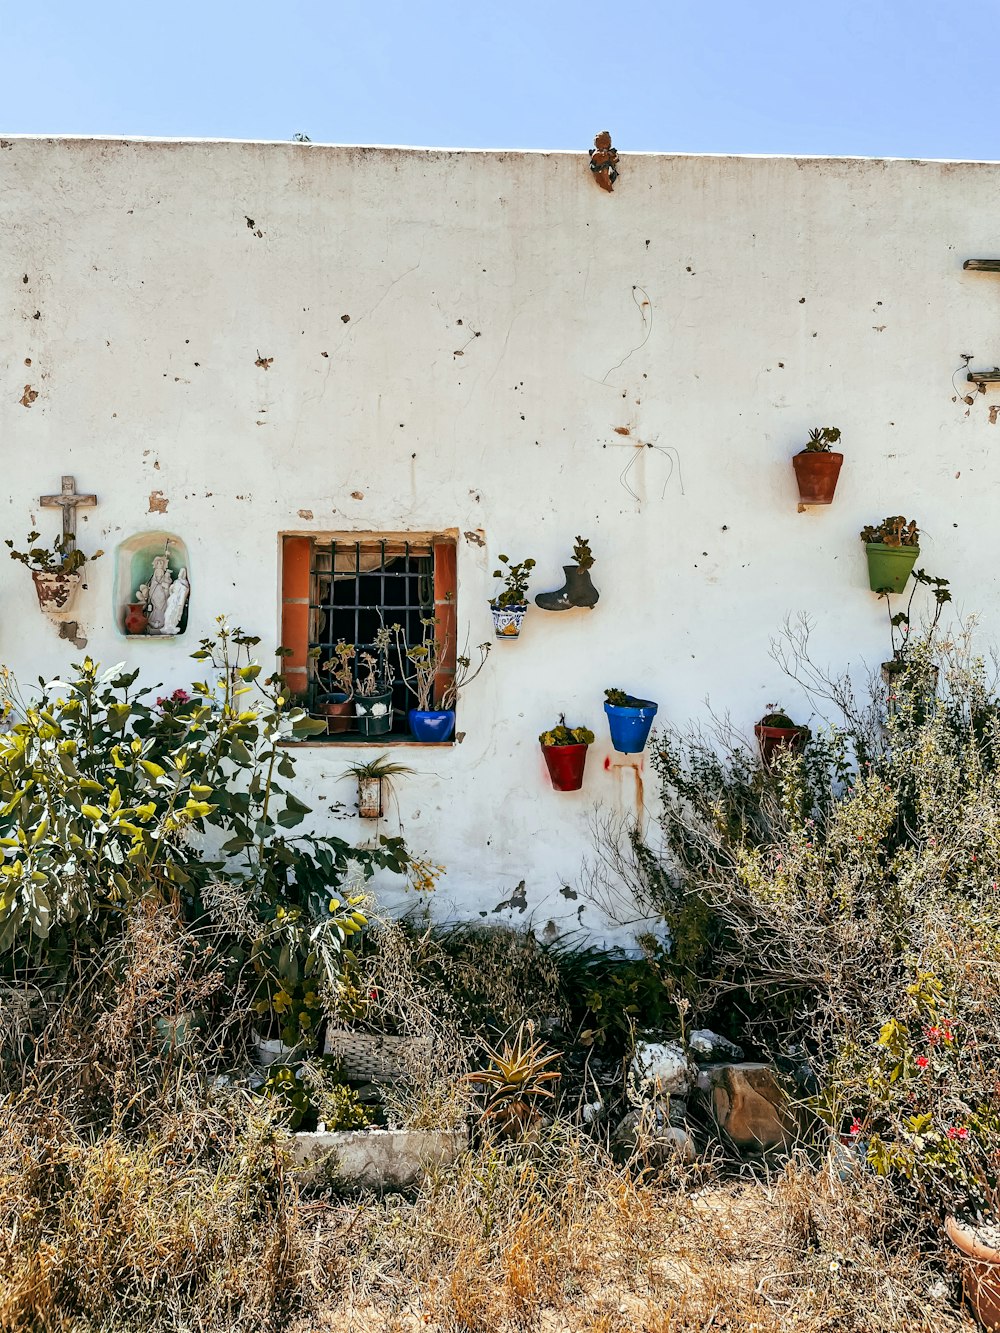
[773, 739]
[565, 764]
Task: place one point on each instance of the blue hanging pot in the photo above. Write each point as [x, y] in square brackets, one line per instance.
[630, 726]
[432, 726]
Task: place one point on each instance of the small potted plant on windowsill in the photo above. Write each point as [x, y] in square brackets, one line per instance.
[423, 666]
[578, 590]
[776, 732]
[54, 572]
[629, 720]
[338, 704]
[373, 688]
[892, 549]
[817, 467]
[565, 752]
[511, 602]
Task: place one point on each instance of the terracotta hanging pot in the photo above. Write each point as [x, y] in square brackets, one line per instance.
[980, 1269]
[339, 711]
[56, 591]
[772, 740]
[816, 473]
[565, 764]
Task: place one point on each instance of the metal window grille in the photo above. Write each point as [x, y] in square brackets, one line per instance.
[357, 587]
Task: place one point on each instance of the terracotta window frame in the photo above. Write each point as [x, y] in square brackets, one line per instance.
[299, 609]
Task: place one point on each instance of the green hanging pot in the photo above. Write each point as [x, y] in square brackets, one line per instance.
[890, 566]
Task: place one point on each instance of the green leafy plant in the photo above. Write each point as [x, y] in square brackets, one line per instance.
[340, 668]
[375, 671]
[892, 531]
[62, 557]
[425, 664]
[821, 439]
[776, 717]
[582, 553]
[514, 591]
[106, 798]
[900, 622]
[306, 1095]
[563, 735]
[620, 699]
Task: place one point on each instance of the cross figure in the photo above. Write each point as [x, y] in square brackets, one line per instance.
[68, 500]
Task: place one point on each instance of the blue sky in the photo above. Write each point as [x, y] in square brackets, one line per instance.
[879, 78]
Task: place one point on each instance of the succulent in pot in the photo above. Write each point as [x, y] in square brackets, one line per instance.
[511, 602]
[629, 720]
[776, 732]
[564, 750]
[338, 704]
[428, 675]
[892, 547]
[373, 686]
[54, 571]
[817, 467]
[578, 588]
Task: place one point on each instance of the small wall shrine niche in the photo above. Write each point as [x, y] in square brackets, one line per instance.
[152, 586]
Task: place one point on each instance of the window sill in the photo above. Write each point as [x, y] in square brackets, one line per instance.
[357, 743]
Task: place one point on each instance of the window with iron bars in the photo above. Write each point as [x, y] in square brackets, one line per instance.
[348, 590]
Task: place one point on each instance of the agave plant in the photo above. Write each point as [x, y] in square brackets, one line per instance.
[514, 1080]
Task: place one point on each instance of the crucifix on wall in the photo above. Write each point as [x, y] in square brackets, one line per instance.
[68, 501]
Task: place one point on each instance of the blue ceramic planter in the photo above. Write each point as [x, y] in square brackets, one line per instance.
[630, 726]
[433, 726]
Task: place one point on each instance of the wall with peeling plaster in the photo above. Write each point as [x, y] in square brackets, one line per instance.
[237, 340]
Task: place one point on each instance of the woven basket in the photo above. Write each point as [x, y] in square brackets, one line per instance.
[365, 1057]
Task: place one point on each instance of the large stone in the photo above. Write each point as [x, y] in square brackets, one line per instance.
[377, 1159]
[660, 1144]
[708, 1047]
[749, 1105]
[659, 1068]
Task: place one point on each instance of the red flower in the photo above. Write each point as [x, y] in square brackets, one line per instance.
[922, 1062]
[956, 1132]
[855, 1126]
[933, 1035]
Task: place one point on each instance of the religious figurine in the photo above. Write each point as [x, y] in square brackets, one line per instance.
[159, 593]
[604, 161]
[175, 604]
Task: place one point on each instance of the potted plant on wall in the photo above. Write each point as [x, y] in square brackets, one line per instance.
[373, 688]
[423, 666]
[511, 602]
[338, 705]
[776, 732]
[54, 571]
[629, 720]
[892, 549]
[578, 589]
[374, 781]
[817, 467]
[565, 752]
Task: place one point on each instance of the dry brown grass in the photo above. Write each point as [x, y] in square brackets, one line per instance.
[563, 1241]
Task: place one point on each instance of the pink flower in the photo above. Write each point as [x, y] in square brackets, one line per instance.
[933, 1035]
[922, 1062]
[855, 1126]
[956, 1132]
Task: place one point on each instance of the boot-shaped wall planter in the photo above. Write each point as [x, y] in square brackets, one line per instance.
[578, 590]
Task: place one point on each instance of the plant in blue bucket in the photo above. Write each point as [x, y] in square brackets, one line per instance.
[425, 666]
[629, 719]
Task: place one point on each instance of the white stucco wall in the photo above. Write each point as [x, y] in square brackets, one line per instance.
[782, 294]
